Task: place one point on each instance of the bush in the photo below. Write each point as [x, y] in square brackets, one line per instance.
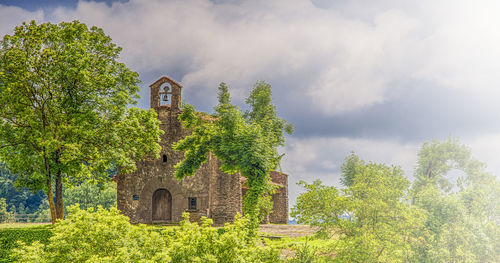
[304, 254]
[10, 236]
[107, 236]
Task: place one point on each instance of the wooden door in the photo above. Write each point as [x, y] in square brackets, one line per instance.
[162, 205]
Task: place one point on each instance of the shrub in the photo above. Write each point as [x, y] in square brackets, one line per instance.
[107, 236]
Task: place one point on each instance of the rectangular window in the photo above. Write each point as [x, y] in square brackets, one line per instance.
[192, 203]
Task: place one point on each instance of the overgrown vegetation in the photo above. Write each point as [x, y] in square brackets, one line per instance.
[107, 236]
[378, 217]
[245, 143]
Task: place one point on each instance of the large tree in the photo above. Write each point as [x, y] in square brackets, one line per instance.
[64, 112]
[463, 220]
[368, 219]
[245, 143]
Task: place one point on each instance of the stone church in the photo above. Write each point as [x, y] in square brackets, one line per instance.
[152, 194]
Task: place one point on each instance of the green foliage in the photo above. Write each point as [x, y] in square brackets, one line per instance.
[378, 218]
[369, 219]
[84, 236]
[265, 204]
[4, 214]
[64, 112]
[88, 194]
[107, 236]
[303, 249]
[349, 169]
[304, 253]
[10, 236]
[463, 221]
[381, 226]
[245, 143]
[320, 206]
[436, 159]
[17, 196]
[203, 243]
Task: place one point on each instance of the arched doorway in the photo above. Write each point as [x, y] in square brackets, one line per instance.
[162, 205]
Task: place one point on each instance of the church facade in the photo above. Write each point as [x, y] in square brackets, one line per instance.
[152, 194]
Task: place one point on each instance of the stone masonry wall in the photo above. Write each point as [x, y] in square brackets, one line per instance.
[280, 199]
[225, 196]
[219, 195]
[135, 191]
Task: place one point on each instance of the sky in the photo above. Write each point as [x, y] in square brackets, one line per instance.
[375, 77]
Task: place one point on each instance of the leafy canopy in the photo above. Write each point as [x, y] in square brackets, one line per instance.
[369, 218]
[463, 222]
[63, 106]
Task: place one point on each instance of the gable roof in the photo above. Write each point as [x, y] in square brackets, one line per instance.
[164, 79]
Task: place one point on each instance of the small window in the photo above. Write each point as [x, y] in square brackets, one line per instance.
[164, 158]
[192, 203]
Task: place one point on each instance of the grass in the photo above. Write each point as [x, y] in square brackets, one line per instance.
[311, 246]
[11, 233]
[21, 225]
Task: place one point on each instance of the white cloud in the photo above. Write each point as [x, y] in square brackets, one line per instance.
[486, 149]
[11, 16]
[462, 46]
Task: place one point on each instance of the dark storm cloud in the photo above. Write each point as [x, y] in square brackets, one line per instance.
[419, 114]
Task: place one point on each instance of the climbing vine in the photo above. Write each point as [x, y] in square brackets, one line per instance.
[243, 142]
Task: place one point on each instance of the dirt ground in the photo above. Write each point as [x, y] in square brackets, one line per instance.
[291, 231]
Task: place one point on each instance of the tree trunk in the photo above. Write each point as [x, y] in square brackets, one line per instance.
[50, 195]
[51, 200]
[59, 197]
[59, 188]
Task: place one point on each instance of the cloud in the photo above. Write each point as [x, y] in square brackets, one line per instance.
[462, 46]
[337, 56]
[486, 149]
[11, 16]
[313, 52]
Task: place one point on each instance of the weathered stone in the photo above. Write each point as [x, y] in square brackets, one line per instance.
[214, 194]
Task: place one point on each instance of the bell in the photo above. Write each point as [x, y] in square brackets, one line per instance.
[165, 97]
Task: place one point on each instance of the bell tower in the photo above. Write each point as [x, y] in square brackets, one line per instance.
[166, 93]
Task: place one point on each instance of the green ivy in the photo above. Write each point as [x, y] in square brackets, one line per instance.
[243, 142]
